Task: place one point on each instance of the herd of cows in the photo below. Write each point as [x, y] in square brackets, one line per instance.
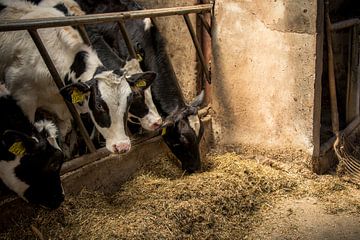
[106, 86]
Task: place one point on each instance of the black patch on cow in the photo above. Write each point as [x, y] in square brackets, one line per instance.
[79, 64]
[2, 7]
[99, 108]
[67, 79]
[61, 7]
[129, 101]
[36, 2]
[99, 70]
[138, 107]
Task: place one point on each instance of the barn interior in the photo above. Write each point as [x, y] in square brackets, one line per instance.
[269, 169]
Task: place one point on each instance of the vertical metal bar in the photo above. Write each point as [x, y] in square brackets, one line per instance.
[205, 23]
[331, 69]
[207, 50]
[83, 34]
[200, 77]
[55, 75]
[198, 47]
[127, 40]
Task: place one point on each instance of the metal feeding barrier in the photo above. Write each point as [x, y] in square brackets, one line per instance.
[32, 25]
[345, 151]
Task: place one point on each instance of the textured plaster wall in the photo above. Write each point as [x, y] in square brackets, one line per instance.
[263, 72]
[179, 44]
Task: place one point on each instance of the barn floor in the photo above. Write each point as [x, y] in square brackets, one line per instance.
[235, 197]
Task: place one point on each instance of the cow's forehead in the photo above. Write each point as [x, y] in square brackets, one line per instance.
[132, 67]
[194, 122]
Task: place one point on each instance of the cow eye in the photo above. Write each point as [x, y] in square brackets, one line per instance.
[99, 107]
[55, 166]
[183, 139]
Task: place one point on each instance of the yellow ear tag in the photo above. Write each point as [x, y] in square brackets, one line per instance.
[139, 57]
[163, 132]
[17, 149]
[77, 96]
[141, 84]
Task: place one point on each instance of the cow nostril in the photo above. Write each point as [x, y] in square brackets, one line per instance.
[122, 148]
[157, 124]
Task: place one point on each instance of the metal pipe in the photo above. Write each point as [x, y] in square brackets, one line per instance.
[207, 49]
[25, 24]
[332, 82]
[55, 75]
[205, 23]
[345, 24]
[198, 47]
[127, 40]
[84, 35]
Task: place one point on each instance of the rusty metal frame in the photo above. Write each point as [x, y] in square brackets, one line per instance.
[32, 25]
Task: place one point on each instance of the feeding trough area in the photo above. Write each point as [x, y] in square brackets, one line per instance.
[190, 120]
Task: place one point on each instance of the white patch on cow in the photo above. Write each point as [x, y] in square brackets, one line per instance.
[52, 132]
[132, 67]
[152, 120]
[4, 91]
[8, 176]
[194, 122]
[148, 24]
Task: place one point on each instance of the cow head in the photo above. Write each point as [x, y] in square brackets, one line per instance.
[142, 109]
[32, 165]
[182, 133]
[109, 94]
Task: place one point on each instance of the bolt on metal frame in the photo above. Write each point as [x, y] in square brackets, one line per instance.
[32, 25]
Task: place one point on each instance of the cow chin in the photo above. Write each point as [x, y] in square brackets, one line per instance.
[119, 147]
[151, 122]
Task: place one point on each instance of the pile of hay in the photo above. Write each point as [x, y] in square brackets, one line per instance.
[160, 202]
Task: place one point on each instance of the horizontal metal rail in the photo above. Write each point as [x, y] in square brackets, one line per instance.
[26, 24]
[345, 24]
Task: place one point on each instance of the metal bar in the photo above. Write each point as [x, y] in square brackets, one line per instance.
[332, 81]
[127, 40]
[205, 24]
[198, 47]
[83, 34]
[25, 24]
[55, 75]
[207, 50]
[345, 24]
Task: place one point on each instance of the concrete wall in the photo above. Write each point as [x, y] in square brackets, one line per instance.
[263, 72]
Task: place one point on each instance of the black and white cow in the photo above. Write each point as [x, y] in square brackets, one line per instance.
[184, 129]
[105, 94]
[30, 158]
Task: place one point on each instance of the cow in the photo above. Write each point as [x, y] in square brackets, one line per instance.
[30, 157]
[184, 129]
[105, 94]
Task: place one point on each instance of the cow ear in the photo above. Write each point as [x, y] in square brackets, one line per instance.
[18, 143]
[199, 99]
[141, 81]
[75, 92]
